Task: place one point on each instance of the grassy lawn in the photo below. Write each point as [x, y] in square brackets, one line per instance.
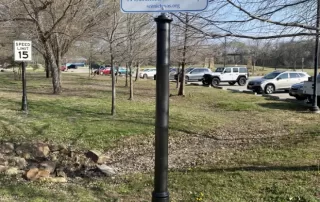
[223, 146]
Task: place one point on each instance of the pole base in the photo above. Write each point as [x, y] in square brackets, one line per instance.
[315, 109]
[160, 197]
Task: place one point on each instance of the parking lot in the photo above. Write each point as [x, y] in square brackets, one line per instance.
[281, 95]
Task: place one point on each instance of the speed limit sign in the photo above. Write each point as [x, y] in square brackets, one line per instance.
[22, 51]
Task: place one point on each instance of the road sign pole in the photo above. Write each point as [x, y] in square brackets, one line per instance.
[24, 88]
[160, 193]
[315, 107]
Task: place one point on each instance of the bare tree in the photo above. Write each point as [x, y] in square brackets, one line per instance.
[113, 34]
[58, 24]
[139, 33]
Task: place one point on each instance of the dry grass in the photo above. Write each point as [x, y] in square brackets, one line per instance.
[229, 146]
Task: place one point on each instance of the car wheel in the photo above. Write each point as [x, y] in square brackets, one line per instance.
[269, 89]
[215, 82]
[205, 83]
[242, 81]
[145, 76]
[232, 83]
[300, 98]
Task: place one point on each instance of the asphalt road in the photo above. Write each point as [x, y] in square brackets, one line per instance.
[281, 94]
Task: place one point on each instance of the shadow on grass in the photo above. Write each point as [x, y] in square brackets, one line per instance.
[257, 169]
[24, 191]
[285, 105]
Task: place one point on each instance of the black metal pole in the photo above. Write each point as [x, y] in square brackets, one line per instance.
[160, 192]
[315, 107]
[24, 106]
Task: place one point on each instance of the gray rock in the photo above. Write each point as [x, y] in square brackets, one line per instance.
[93, 155]
[21, 163]
[97, 156]
[103, 159]
[7, 148]
[61, 173]
[106, 170]
[12, 171]
[48, 165]
[54, 148]
[3, 160]
[28, 150]
[3, 168]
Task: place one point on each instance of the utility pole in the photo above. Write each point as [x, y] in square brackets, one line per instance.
[315, 108]
[225, 52]
[24, 106]
[160, 192]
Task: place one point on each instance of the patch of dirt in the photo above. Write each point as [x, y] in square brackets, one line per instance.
[136, 154]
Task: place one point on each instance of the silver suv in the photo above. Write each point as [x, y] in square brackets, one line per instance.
[277, 80]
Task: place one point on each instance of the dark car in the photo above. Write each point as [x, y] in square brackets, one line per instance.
[172, 72]
[296, 91]
[72, 67]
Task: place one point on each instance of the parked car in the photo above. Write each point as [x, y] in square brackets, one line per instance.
[105, 71]
[148, 73]
[63, 68]
[308, 89]
[172, 72]
[296, 91]
[72, 66]
[121, 70]
[99, 71]
[232, 75]
[187, 70]
[277, 80]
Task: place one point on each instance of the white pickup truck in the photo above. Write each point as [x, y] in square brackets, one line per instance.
[308, 88]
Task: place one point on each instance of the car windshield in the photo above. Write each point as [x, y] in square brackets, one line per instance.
[220, 69]
[189, 69]
[272, 75]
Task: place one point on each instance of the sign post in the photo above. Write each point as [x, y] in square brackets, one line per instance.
[23, 53]
[160, 192]
[315, 108]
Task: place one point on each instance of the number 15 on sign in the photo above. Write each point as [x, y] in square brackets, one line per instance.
[22, 51]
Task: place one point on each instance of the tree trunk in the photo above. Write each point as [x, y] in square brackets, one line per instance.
[213, 62]
[90, 67]
[55, 70]
[182, 82]
[138, 71]
[209, 63]
[47, 67]
[131, 82]
[117, 74]
[113, 102]
[56, 81]
[181, 89]
[127, 74]
[178, 72]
